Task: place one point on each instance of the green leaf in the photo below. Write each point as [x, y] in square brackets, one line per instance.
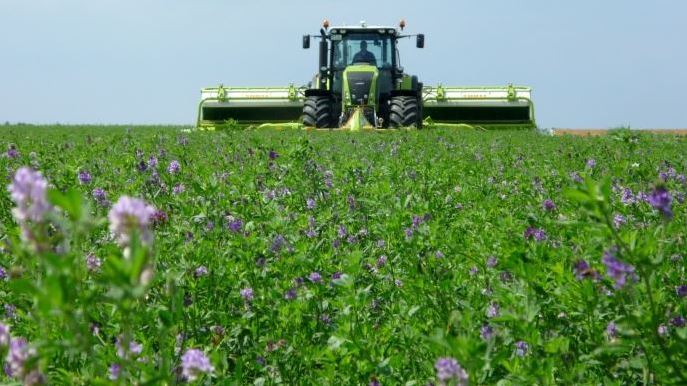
[70, 201]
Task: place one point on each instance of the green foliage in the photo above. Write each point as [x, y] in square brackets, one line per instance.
[418, 236]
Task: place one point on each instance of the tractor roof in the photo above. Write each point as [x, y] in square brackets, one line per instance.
[363, 27]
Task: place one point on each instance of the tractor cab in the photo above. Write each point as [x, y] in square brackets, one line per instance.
[354, 47]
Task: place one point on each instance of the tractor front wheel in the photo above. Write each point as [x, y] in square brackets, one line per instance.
[317, 111]
[404, 111]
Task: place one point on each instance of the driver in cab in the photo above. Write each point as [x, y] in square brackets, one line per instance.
[364, 56]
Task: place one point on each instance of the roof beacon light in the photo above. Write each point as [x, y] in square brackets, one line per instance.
[325, 24]
[402, 24]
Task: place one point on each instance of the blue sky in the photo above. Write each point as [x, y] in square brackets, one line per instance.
[592, 63]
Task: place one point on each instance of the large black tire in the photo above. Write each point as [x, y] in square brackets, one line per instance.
[317, 111]
[404, 111]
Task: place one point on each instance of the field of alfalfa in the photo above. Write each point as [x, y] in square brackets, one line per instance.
[154, 256]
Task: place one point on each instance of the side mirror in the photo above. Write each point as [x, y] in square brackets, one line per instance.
[306, 42]
[420, 43]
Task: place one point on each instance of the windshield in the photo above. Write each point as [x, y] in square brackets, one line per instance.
[370, 48]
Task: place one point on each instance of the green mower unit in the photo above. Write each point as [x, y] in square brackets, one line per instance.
[360, 84]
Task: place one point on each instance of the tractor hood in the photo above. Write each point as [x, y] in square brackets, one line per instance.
[360, 85]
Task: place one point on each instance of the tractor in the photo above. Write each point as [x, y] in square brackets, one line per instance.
[360, 84]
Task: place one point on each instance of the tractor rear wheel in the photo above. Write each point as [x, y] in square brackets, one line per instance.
[404, 111]
[317, 111]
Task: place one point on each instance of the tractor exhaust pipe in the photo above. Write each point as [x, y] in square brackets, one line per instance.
[324, 51]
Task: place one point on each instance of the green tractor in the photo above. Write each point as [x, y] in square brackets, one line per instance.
[360, 84]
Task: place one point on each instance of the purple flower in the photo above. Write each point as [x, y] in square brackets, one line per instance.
[311, 233]
[130, 215]
[19, 353]
[474, 270]
[135, 349]
[174, 167]
[439, 255]
[681, 291]
[247, 294]
[619, 220]
[612, 330]
[417, 221]
[408, 232]
[493, 310]
[201, 271]
[99, 194]
[351, 203]
[152, 162]
[591, 163]
[273, 155]
[85, 177]
[114, 371]
[398, 283]
[627, 198]
[548, 205]
[521, 348]
[486, 332]
[642, 197]
[29, 191]
[10, 310]
[537, 234]
[374, 382]
[381, 261]
[178, 189]
[618, 270]
[12, 152]
[310, 203]
[678, 321]
[3, 273]
[492, 261]
[661, 200]
[235, 224]
[337, 275]
[584, 271]
[575, 176]
[290, 294]
[194, 363]
[278, 243]
[5, 336]
[448, 369]
[680, 197]
[506, 276]
[93, 263]
[315, 277]
[159, 217]
[341, 232]
[326, 319]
